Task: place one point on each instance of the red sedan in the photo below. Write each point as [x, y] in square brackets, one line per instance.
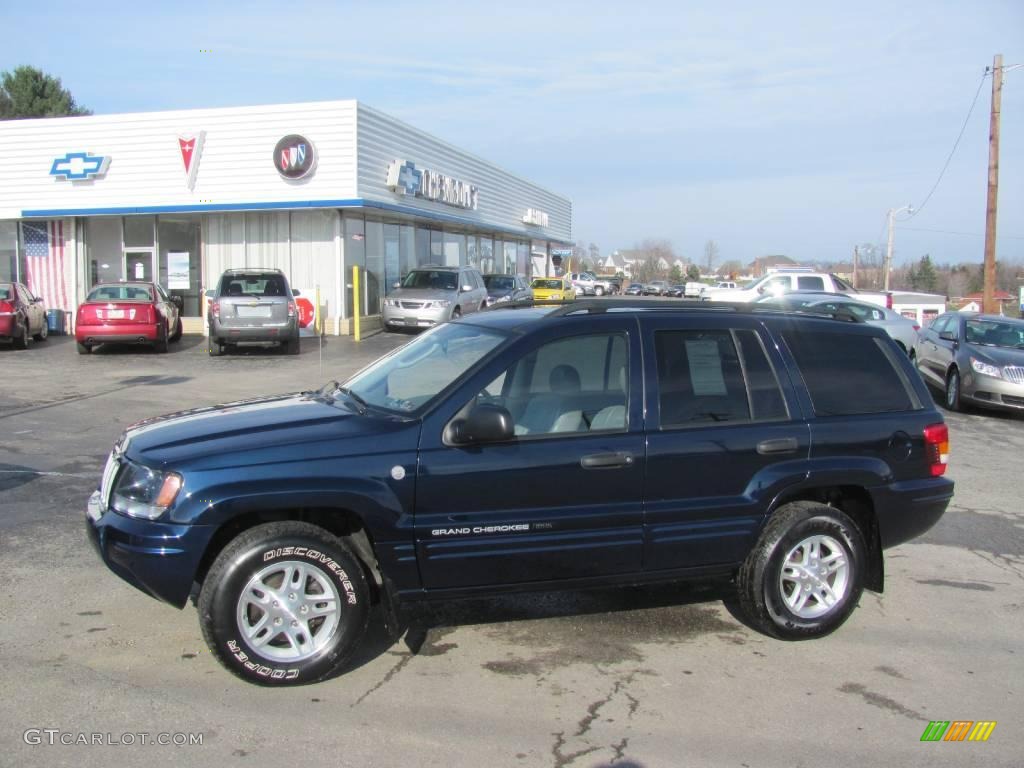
[22, 316]
[128, 313]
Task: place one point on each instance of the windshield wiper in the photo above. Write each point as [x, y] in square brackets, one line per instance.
[361, 404]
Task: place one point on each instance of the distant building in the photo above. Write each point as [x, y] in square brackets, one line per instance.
[760, 266]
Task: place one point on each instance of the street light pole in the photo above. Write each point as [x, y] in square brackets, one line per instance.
[892, 235]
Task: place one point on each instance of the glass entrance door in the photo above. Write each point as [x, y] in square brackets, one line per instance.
[138, 265]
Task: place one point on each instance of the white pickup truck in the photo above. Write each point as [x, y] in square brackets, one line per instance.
[783, 281]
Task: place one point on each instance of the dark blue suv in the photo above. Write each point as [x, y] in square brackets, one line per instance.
[782, 450]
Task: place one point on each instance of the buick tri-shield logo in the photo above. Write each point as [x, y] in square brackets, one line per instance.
[294, 156]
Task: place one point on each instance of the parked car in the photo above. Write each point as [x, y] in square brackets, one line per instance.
[635, 289]
[694, 289]
[656, 288]
[22, 316]
[252, 305]
[974, 358]
[901, 329]
[128, 313]
[431, 295]
[779, 450]
[502, 288]
[589, 284]
[676, 291]
[552, 289]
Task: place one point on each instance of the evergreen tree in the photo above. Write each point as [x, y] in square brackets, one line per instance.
[29, 92]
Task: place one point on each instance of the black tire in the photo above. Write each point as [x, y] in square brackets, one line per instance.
[292, 346]
[456, 313]
[952, 393]
[249, 563]
[44, 332]
[177, 331]
[160, 345]
[83, 349]
[24, 339]
[215, 348]
[763, 595]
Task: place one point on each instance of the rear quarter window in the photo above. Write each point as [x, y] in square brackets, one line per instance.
[848, 374]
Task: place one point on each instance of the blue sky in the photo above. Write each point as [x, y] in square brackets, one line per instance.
[768, 127]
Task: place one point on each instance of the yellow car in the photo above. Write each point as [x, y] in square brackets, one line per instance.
[552, 289]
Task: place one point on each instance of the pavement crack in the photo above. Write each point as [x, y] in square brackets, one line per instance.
[619, 749]
[592, 711]
[561, 759]
[406, 658]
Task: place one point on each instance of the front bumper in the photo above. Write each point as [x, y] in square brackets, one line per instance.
[160, 559]
[990, 392]
[414, 317]
[905, 510]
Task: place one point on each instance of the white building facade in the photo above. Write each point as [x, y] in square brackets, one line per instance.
[312, 189]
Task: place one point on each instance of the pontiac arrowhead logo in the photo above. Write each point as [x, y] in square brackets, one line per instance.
[77, 166]
[191, 149]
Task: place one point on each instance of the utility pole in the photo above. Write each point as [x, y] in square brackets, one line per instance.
[856, 253]
[988, 300]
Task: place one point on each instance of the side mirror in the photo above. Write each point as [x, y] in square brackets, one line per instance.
[295, 292]
[486, 423]
[948, 336]
[211, 294]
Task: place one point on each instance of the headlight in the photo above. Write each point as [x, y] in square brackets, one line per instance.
[556, 297]
[144, 492]
[438, 304]
[499, 299]
[985, 368]
[391, 302]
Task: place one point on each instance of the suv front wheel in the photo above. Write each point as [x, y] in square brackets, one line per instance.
[806, 574]
[284, 604]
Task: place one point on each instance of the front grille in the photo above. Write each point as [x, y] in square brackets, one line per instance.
[411, 304]
[1014, 373]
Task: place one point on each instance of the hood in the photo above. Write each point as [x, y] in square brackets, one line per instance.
[423, 294]
[497, 293]
[290, 425]
[1001, 356]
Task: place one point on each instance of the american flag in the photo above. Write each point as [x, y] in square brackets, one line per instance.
[45, 262]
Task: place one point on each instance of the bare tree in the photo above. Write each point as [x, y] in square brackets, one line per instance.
[710, 256]
[655, 258]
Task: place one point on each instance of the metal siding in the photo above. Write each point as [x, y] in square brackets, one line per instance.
[146, 169]
[503, 198]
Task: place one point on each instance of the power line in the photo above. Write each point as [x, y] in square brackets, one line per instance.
[966, 234]
[952, 152]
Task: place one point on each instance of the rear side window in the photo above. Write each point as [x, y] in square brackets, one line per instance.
[848, 374]
[710, 377]
[810, 283]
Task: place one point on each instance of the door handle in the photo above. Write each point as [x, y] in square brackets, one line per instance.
[607, 460]
[781, 445]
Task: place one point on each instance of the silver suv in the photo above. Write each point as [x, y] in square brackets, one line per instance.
[253, 305]
[432, 294]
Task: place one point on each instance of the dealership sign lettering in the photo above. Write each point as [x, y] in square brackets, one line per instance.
[536, 217]
[406, 179]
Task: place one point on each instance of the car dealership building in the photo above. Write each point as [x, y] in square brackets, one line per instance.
[312, 189]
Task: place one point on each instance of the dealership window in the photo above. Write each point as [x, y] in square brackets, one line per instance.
[9, 251]
[407, 251]
[392, 256]
[523, 263]
[103, 244]
[486, 250]
[454, 249]
[374, 278]
[473, 251]
[355, 256]
[436, 246]
[510, 265]
[422, 246]
[138, 231]
[180, 262]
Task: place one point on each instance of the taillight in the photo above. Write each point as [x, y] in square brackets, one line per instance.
[150, 313]
[936, 448]
[6, 307]
[917, 327]
[215, 308]
[291, 309]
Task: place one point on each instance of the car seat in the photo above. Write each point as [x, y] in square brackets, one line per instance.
[555, 411]
[234, 289]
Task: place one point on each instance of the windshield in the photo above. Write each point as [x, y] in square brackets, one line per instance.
[499, 282]
[413, 375]
[995, 333]
[430, 278]
[548, 284]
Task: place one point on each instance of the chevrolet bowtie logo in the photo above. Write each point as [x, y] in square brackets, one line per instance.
[76, 166]
[403, 176]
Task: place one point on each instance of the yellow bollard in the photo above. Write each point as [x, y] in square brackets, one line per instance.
[355, 302]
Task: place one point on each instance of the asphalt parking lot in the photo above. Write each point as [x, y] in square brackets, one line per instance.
[650, 677]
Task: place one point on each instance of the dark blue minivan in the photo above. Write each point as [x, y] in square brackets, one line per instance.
[782, 450]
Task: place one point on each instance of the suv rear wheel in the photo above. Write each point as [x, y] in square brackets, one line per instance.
[806, 574]
[284, 604]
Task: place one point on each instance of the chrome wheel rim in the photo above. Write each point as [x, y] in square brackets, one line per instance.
[289, 611]
[951, 389]
[815, 577]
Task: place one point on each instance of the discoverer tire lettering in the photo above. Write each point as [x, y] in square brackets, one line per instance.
[284, 604]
